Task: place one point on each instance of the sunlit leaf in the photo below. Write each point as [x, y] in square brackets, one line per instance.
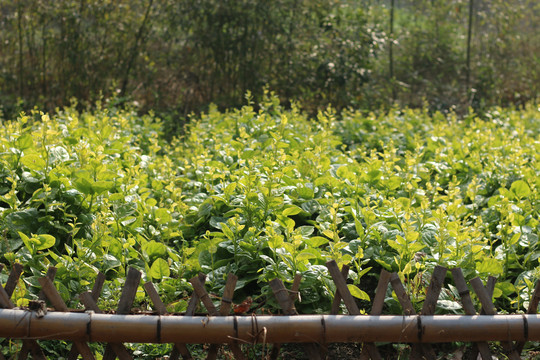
[159, 269]
[357, 293]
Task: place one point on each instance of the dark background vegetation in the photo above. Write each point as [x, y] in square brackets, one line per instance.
[176, 57]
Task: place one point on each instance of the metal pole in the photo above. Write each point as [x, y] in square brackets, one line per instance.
[89, 326]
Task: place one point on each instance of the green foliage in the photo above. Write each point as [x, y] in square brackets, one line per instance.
[270, 193]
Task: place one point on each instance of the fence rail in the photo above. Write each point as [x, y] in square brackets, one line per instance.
[37, 322]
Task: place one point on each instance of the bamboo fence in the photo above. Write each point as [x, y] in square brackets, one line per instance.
[218, 327]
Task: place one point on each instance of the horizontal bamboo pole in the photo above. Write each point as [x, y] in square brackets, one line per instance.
[89, 326]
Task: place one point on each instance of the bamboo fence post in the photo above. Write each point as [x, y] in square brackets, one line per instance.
[490, 288]
[341, 286]
[125, 303]
[51, 273]
[194, 300]
[28, 345]
[5, 299]
[203, 296]
[337, 297]
[532, 309]
[334, 310]
[56, 300]
[370, 351]
[489, 308]
[282, 296]
[119, 349]
[401, 294]
[468, 306]
[190, 311]
[406, 305]
[98, 285]
[294, 295]
[428, 308]
[370, 348]
[342, 291]
[96, 292]
[162, 310]
[209, 305]
[13, 278]
[224, 310]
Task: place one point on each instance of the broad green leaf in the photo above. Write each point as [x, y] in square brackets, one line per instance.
[25, 141]
[160, 269]
[102, 186]
[286, 222]
[275, 242]
[395, 245]
[162, 216]
[110, 262]
[520, 188]
[357, 293]
[27, 242]
[45, 241]
[33, 162]
[84, 186]
[227, 231]
[155, 249]
[305, 192]
[393, 183]
[359, 228]
[489, 266]
[307, 254]
[506, 287]
[292, 210]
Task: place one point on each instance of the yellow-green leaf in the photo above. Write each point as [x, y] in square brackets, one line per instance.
[160, 269]
[357, 293]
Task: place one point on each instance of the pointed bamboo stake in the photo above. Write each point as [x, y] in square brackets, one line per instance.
[125, 303]
[224, 310]
[341, 286]
[119, 349]
[406, 305]
[403, 298]
[98, 285]
[162, 310]
[532, 309]
[468, 306]
[28, 345]
[370, 351]
[428, 308]
[209, 305]
[96, 292]
[351, 307]
[489, 308]
[194, 300]
[190, 311]
[56, 300]
[284, 300]
[203, 296]
[294, 295]
[337, 297]
[13, 278]
[51, 273]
